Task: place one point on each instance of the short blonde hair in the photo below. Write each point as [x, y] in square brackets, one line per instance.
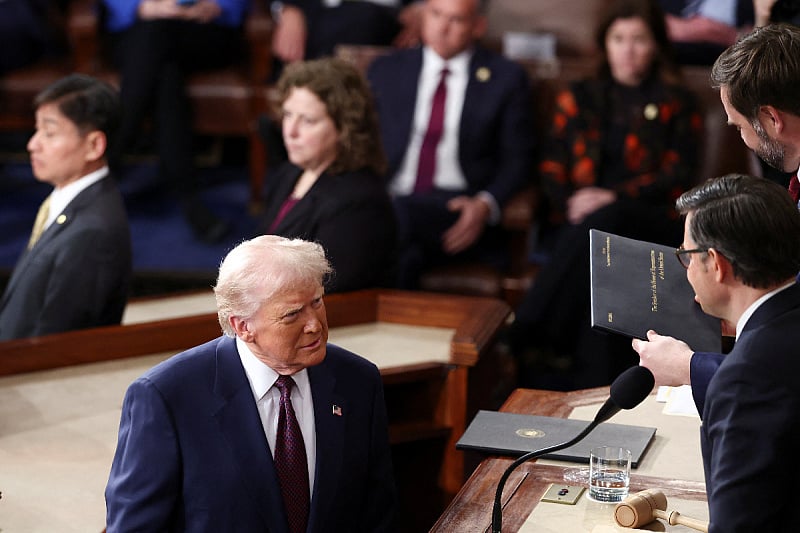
[257, 269]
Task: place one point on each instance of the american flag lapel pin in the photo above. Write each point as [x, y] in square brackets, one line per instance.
[337, 410]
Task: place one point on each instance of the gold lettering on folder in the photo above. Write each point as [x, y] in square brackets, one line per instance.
[653, 285]
[656, 273]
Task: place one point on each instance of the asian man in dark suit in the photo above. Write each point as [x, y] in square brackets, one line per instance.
[456, 125]
[76, 268]
[742, 254]
[267, 428]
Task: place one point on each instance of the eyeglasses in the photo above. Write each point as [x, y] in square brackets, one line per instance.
[683, 255]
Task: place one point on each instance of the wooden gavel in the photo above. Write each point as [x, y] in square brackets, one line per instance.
[643, 507]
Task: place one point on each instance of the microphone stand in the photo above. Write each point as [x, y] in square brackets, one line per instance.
[627, 391]
[497, 510]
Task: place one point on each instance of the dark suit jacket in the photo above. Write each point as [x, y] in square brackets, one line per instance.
[751, 423]
[362, 22]
[496, 132]
[28, 31]
[702, 368]
[77, 275]
[192, 454]
[349, 214]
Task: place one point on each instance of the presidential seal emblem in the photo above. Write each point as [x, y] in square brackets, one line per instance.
[530, 433]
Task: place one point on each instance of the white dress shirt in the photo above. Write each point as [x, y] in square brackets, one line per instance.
[267, 398]
[448, 175]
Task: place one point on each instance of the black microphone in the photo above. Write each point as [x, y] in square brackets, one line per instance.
[627, 391]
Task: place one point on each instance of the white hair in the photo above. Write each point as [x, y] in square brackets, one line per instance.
[257, 269]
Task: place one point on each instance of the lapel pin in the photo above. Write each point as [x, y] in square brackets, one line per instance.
[61, 219]
[337, 410]
[483, 74]
[650, 111]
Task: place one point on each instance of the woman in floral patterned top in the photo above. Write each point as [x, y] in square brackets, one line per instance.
[623, 147]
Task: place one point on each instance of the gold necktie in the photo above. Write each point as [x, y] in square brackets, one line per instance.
[38, 225]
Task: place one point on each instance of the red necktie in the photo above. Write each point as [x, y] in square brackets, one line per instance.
[427, 154]
[290, 460]
[794, 189]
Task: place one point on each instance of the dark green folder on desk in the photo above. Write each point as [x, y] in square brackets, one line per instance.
[514, 434]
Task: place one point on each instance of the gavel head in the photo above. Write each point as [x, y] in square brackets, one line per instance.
[638, 509]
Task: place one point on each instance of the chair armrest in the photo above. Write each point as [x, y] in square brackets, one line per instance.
[258, 36]
[83, 34]
[518, 213]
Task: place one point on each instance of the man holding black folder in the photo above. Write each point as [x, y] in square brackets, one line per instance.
[742, 254]
[758, 79]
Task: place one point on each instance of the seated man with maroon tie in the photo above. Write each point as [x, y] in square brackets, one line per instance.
[267, 428]
[456, 125]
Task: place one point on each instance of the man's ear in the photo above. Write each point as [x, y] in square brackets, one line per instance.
[97, 143]
[720, 265]
[241, 327]
[772, 120]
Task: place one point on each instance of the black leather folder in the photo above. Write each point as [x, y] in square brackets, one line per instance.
[638, 285]
[514, 434]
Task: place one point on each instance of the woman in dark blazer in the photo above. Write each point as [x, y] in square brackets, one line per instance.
[329, 190]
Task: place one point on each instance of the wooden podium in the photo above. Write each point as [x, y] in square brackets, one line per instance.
[471, 509]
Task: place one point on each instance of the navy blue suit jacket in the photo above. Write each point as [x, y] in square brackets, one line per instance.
[702, 367]
[77, 275]
[192, 454]
[751, 423]
[496, 133]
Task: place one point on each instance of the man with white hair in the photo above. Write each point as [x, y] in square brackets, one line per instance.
[268, 427]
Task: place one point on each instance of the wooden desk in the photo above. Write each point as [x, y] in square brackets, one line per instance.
[427, 400]
[471, 509]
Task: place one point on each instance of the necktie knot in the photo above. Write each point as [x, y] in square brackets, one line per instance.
[285, 384]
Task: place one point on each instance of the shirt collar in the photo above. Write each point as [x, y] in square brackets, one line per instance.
[755, 305]
[261, 377]
[61, 197]
[433, 62]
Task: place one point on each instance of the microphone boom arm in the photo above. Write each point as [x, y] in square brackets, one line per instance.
[497, 510]
[627, 391]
